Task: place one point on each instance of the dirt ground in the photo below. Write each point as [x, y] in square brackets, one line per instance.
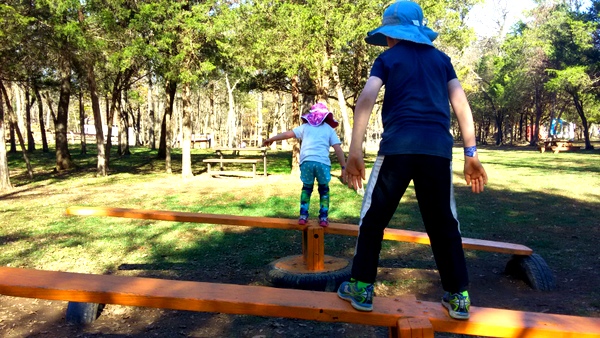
[490, 287]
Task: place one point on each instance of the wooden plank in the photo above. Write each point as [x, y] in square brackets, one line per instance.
[181, 216]
[407, 327]
[241, 149]
[290, 224]
[232, 160]
[195, 296]
[400, 235]
[285, 303]
[313, 248]
[232, 173]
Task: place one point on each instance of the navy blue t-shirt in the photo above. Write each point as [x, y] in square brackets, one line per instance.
[416, 108]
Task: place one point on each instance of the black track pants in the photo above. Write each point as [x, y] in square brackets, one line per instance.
[432, 177]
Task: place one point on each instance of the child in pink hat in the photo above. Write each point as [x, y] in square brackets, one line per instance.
[317, 136]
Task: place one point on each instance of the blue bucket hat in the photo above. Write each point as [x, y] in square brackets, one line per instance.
[402, 20]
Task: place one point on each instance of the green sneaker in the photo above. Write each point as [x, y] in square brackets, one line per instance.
[458, 304]
[361, 299]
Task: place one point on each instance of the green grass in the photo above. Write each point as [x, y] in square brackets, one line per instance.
[549, 202]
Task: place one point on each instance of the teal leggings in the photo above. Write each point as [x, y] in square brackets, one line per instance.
[309, 171]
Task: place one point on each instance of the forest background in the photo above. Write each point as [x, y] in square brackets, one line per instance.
[162, 73]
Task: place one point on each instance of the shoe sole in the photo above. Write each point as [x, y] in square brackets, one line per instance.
[354, 303]
[454, 314]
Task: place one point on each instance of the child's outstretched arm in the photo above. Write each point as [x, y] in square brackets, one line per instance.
[340, 156]
[281, 136]
[475, 174]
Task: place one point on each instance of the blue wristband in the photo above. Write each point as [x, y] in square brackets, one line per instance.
[470, 151]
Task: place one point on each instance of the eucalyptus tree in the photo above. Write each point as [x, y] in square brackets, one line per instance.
[158, 23]
[4, 171]
[196, 54]
[232, 59]
[269, 41]
[512, 74]
[12, 27]
[175, 34]
[505, 79]
[574, 61]
[61, 18]
[341, 26]
[17, 30]
[113, 52]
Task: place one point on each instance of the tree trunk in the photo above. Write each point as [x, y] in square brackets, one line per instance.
[13, 118]
[4, 171]
[212, 120]
[123, 127]
[41, 118]
[166, 134]
[102, 166]
[12, 138]
[110, 114]
[535, 138]
[295, 122]
[259, 120]
[63, 157]
[347, 136]
[499, 115]
[151, 118]
[231, 120]
[28, 104]
[82, 124]
[584, 122]
[186, 128]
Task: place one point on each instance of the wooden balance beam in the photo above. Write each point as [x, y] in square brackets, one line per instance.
[405, 316]
[290, 224]
[301, 270]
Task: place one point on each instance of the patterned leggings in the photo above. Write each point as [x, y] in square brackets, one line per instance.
[309, 171]
[323, 202]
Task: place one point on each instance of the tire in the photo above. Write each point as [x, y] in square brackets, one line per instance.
[83, 313]
[533, 270]
[307, 280]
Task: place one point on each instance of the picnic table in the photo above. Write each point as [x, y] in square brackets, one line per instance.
[557, 146]
[201, 138]
[223, 151]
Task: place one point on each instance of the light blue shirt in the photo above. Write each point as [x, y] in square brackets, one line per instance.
[316, 142]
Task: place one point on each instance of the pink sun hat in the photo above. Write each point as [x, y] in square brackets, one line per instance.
[318, 114]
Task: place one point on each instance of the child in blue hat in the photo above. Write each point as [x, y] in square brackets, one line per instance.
[416, 145]
[317, 135]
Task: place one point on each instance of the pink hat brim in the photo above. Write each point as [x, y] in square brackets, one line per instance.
[316, 119]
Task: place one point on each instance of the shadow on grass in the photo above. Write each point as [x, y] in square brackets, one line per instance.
[239, 255]
[564, 231]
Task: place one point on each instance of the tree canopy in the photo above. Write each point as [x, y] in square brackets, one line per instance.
[169, 69]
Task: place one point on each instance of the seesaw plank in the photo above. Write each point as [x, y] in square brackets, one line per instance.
[290, 224]
[285, 303]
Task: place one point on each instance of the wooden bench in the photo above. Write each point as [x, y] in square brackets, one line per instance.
[254, 162]
[523, 263]
[558, 146]
[405, 316]
[236, 152]
[201, 138]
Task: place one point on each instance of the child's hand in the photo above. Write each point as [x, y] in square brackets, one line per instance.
[475, 174]
[355, 172]
[266, 143]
